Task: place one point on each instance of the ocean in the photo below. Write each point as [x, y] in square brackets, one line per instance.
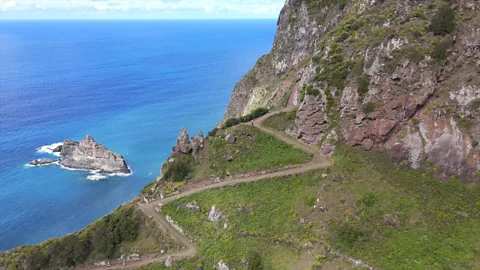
[130, 84]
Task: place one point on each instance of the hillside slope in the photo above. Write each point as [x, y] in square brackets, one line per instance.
[403, 75]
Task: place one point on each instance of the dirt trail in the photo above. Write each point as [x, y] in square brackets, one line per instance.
[318, 162]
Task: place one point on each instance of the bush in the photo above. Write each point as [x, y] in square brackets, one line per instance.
[349, 234]
[249, 117]
[368, 199]
[439, 52]
[475, 105]
[254, 261]
[310, 90]
[212, 133]
[443, 22]
[179, 169]
[363, 84]
[369, 107]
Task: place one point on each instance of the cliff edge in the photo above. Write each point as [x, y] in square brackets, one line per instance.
[402, 75]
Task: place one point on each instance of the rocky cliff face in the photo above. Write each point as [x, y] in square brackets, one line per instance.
[403, 75]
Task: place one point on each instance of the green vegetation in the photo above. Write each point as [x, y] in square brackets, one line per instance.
[310, 90]
[444, 21]
[126, 230]
[369, 107]
[281, 121]
[182, 265]
[252, 151]
[439, 52]
[333, 69]
[465, 124]
[474, 105]
[180, 168]
[247, 118]
[377, 212]
[363, 84]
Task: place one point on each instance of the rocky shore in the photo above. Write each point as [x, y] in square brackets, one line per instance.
[86, 155]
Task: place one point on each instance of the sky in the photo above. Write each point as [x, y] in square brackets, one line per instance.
[140, 9]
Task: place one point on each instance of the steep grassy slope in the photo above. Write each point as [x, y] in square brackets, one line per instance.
[249, 151]
[364, 206]
[124, 232]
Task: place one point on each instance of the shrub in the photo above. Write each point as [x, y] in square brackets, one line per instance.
[368, 199]
[349, 234]
[475, 105]
[254, 261]
[357, 68]
[231, 122]
[249, 117]
[443, 22]
[439, 52]
[369, 107]
[312, 91]
[179, 169]
[475, 144]
[363, 84]
[212, 133]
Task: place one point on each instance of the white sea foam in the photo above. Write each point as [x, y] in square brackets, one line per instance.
[96, 177]
[48, 149]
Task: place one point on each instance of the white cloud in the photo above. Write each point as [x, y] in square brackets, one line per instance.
[137, 8]
[7, 4]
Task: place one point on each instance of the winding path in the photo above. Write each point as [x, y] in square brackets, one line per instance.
[318, 162]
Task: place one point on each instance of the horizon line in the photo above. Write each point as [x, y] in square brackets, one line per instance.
[132, 19]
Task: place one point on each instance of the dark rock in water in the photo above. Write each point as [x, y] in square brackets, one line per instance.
[90, 155]
[43, 162]
[58, 149]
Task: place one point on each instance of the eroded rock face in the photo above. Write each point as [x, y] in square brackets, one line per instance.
[183, 143]
[90, 155]
[414, 105]
[311, 122]
[186, 146]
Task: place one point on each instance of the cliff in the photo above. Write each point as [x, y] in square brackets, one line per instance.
[400, 75]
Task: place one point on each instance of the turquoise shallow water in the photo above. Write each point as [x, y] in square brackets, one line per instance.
[130, 84]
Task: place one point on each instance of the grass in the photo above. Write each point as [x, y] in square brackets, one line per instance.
[377, 212]
[281, 121]
[253, 151]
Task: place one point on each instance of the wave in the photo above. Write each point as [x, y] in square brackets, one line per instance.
[48, 149]
[97, 177]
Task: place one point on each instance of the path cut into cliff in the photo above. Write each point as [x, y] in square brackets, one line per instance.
[319, 162]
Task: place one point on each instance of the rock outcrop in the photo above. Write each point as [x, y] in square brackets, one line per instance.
[376, 81]
[86, 155]
[92, 156]
[186, 146]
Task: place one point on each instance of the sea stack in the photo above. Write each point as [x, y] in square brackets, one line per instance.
[89, 155]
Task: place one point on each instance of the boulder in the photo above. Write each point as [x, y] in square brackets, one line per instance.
[214, 215]
[169, 262]
[90, 155]
[230, 139]
[222, 266]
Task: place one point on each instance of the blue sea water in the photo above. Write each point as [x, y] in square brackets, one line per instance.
[130, 84]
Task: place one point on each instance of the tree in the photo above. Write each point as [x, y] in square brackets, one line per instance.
[444, 21]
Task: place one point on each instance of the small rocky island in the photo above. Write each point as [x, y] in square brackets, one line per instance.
[86, 155]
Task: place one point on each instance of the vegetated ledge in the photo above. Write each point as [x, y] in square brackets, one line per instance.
[86, 155]
[122, 236]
